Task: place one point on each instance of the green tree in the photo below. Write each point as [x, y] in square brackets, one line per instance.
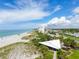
[69, 42]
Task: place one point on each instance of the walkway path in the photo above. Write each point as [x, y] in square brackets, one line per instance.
[55, 55]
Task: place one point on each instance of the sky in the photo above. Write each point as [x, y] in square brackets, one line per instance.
[29, 14]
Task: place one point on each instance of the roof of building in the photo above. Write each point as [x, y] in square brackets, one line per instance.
[52, 43]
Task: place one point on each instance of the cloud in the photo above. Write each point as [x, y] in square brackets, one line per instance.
[25, 10]
[63, 22]
[10, 5]
[57, 22]
[71, 21]
[75, 19]
[57, 8]
[24, 15]
[76, 10]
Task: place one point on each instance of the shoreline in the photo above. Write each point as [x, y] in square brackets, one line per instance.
[7, 40]
[4, 33]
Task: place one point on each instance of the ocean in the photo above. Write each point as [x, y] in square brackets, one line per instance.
[12, 32]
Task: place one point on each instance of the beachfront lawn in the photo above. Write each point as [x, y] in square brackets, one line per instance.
[74, 55]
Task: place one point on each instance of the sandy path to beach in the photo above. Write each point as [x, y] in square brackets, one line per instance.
[22, 52]
[4, 41]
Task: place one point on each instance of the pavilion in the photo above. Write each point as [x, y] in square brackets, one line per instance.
[54, 44]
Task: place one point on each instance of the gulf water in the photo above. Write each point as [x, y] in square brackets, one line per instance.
[12, 32]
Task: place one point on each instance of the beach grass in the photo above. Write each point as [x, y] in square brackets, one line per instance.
[4, 51]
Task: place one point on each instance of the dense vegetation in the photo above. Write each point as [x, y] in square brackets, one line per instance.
[69, 41]
[71, 44]
[46, 52]
[70, 47]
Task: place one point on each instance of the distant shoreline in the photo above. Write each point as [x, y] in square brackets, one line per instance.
[7, 40]
[4, 33]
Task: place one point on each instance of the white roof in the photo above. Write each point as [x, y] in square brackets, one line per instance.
[53, 44]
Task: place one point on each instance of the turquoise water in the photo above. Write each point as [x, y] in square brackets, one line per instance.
[12, 32]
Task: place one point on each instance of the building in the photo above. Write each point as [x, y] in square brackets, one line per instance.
[42, 28]
[52, 43]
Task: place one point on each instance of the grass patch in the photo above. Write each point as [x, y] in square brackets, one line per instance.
[74, 55]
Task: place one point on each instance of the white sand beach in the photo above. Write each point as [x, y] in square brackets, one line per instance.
[20, 51]
[7, 40]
